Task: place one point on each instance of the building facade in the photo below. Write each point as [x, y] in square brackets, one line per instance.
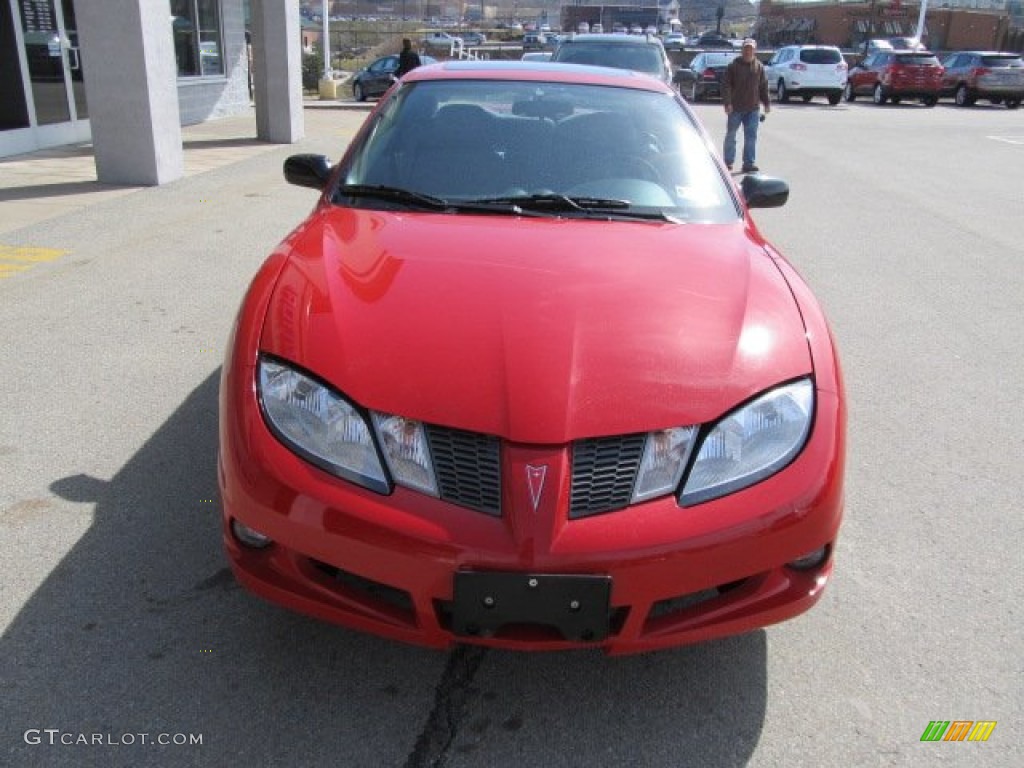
[127, 74]
[949, 24]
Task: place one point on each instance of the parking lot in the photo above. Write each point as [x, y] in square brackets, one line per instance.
[121, 619]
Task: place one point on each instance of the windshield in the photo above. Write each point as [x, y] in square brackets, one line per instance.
[556, 148]
[718, 59]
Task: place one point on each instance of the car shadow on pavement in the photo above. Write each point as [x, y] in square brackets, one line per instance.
[141, 633]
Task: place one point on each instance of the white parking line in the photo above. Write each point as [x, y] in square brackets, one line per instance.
[1008, 139]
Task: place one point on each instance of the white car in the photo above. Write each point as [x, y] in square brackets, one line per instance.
[441, 40]
[807, 71]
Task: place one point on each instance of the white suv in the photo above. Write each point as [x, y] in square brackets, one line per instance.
[807, 71]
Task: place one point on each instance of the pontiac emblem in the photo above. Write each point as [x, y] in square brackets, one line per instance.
[535, 479]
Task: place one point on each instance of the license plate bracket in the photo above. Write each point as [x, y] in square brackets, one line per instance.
[577, 606]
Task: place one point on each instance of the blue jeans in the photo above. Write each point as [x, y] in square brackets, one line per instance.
[750, 121]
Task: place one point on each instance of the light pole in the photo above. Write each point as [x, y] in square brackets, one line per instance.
[920, 20]
[328, 69]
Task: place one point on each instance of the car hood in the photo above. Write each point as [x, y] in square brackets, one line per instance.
[538, 330]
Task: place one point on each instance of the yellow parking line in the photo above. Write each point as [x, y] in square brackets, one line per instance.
[18, 258]
[29, 253]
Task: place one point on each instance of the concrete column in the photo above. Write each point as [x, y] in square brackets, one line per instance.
[131, 84]
[277, 70]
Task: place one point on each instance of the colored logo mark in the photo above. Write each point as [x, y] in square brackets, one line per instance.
[958, 730]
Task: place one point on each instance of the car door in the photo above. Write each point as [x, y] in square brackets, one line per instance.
[871, 72]
[379, 75]
[858, 74]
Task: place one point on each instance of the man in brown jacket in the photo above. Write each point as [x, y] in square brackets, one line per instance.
[744, 89]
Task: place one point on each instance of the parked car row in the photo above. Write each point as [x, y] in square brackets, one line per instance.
[794, 71]
[886, 74]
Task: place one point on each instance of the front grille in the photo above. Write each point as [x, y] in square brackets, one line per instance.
[468, 468]
[603, 472]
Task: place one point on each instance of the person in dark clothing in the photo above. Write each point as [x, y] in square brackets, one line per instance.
[744, 89]
[408, 59]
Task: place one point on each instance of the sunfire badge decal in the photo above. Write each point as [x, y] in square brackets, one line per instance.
[535, 479]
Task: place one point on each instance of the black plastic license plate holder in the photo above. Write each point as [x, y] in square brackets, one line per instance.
[578, 606]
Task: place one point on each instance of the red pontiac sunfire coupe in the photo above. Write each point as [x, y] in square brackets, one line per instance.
[529, 377]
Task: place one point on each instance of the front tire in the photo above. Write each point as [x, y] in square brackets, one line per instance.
[783, 93]
[358, 93]
[930, 101]
[833, 98]
[878, 95]
[1012, 103]
[848, 93]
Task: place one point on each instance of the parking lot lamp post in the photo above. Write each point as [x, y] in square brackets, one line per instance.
[328, 70]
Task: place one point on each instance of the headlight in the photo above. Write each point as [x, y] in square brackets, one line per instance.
[319, 425]
[751, 443]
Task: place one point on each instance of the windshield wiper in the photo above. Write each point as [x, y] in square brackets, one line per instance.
[590, 207]
[396, 194]
[557, 202]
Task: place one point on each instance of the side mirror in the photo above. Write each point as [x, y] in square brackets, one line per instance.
[764, 191]
[308, 171]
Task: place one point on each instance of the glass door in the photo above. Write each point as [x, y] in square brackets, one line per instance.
[52, 86]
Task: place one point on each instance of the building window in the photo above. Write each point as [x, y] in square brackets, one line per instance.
[198, 42]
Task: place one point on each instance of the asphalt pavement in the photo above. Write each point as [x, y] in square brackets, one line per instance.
[126, 642]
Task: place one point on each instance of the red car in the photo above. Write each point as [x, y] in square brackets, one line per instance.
[529, 376]
[896, 75]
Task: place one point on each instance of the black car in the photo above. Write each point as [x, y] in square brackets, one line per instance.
[714, 40]
[703, 78]
[371, 82]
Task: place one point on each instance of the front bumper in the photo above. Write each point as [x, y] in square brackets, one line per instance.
[388, 564]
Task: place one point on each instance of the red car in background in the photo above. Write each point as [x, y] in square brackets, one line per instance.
[896, 75]
[528, 376]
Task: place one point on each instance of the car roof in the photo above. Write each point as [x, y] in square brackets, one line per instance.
[540, 71]
[612, 39]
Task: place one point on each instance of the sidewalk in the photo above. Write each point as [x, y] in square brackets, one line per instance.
[42, 185]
